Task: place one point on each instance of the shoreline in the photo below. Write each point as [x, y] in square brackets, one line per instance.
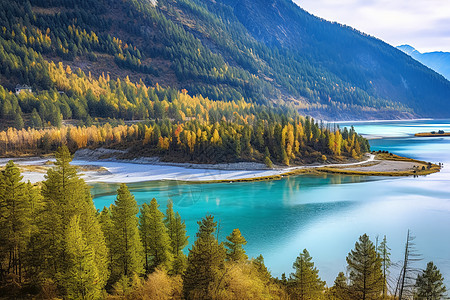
[150, 169]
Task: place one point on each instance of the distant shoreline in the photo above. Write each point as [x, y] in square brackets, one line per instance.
[108, 171]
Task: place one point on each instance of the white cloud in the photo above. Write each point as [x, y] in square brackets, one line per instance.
[424, 24]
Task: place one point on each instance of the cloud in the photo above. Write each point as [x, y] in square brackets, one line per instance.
[424, 24]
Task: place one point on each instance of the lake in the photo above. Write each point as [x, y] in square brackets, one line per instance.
[325, 214]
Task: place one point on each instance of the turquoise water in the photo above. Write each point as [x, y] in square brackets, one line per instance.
[325, 214]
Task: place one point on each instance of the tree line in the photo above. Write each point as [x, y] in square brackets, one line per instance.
[54, 243]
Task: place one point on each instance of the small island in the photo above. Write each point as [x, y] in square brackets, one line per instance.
[432, 133]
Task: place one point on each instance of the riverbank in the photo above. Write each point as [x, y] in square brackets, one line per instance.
[111, 170]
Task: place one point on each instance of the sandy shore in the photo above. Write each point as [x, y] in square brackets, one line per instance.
[113, 171]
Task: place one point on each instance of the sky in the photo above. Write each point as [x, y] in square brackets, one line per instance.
[423, 24]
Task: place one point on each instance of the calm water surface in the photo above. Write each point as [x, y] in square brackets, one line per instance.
[325, 214]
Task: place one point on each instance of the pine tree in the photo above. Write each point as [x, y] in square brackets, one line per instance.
[107, 227]
[127, 250]
[235, 247]
[176, 228]
[154, 236]
[385, 255]
[339, 290]
[364, 265]
[430, 284]
[66, 195]
[205, 263]
[15, 213]
[82, 278]
[306, 282]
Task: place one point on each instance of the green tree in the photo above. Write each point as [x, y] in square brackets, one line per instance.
[36, 120]
[81, 275]
[176, 228]
[65, 194]
[385, 255]
[235, 245]
[15, 213]
[107, 227]
[306, 283]
[127, 250]
[154, 236]
[366, 276]
[430, 284]
[339, 291]
[205, 263]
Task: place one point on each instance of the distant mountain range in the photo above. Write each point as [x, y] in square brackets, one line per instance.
[438, 61]
[270, 52]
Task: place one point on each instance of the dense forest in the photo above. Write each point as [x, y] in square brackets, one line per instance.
[210, 49]
[164, 122]
[55, 244]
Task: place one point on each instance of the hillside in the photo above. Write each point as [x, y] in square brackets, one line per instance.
[438, 61]
[267, 52]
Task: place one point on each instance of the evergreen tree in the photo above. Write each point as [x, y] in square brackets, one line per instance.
[306, 283]
[385, 255]
[430, 284]
[366, 276]
[339, 290]
[154, 236]
[66, 195]
[15, 213]
[127, 249]
[205, 263]
[82, 276]
[36, 120]
[235, 247]
[107, 227]
[176, 229]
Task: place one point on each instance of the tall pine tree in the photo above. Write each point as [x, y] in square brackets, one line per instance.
[205, 263]
[154, 236]
[306, 283]
[366, 276]
[176, 228]
[127, 250]
[65, 194]
[430, 284]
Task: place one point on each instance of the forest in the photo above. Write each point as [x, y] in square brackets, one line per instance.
[207, 49]
[55, 244]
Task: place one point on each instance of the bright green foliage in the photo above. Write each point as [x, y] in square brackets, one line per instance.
[235, 245]
[385, 255]
[176, 228]
[107, 227]
[430, 284]
[339, 291]
[66, 195]
[366, 276]
[127, 250]
[205, 263]
[82, 278]
[306, 283]
[154, 236]
[15, 213]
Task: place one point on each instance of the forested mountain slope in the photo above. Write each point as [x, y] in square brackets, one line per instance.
[269, 52]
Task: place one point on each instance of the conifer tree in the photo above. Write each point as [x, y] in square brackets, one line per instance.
[127, 250]
[339, 290]
[107, 227]
[430, 284]
[154, 236]
[235, 245]
[82, 278]
[366, 276]
[15, 213]
[176, 228]
[65, 194]
[385, 255]
[205, 263]
[306, 282]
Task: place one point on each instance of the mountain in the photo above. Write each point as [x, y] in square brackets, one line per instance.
[438, 61]
[270, 52]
